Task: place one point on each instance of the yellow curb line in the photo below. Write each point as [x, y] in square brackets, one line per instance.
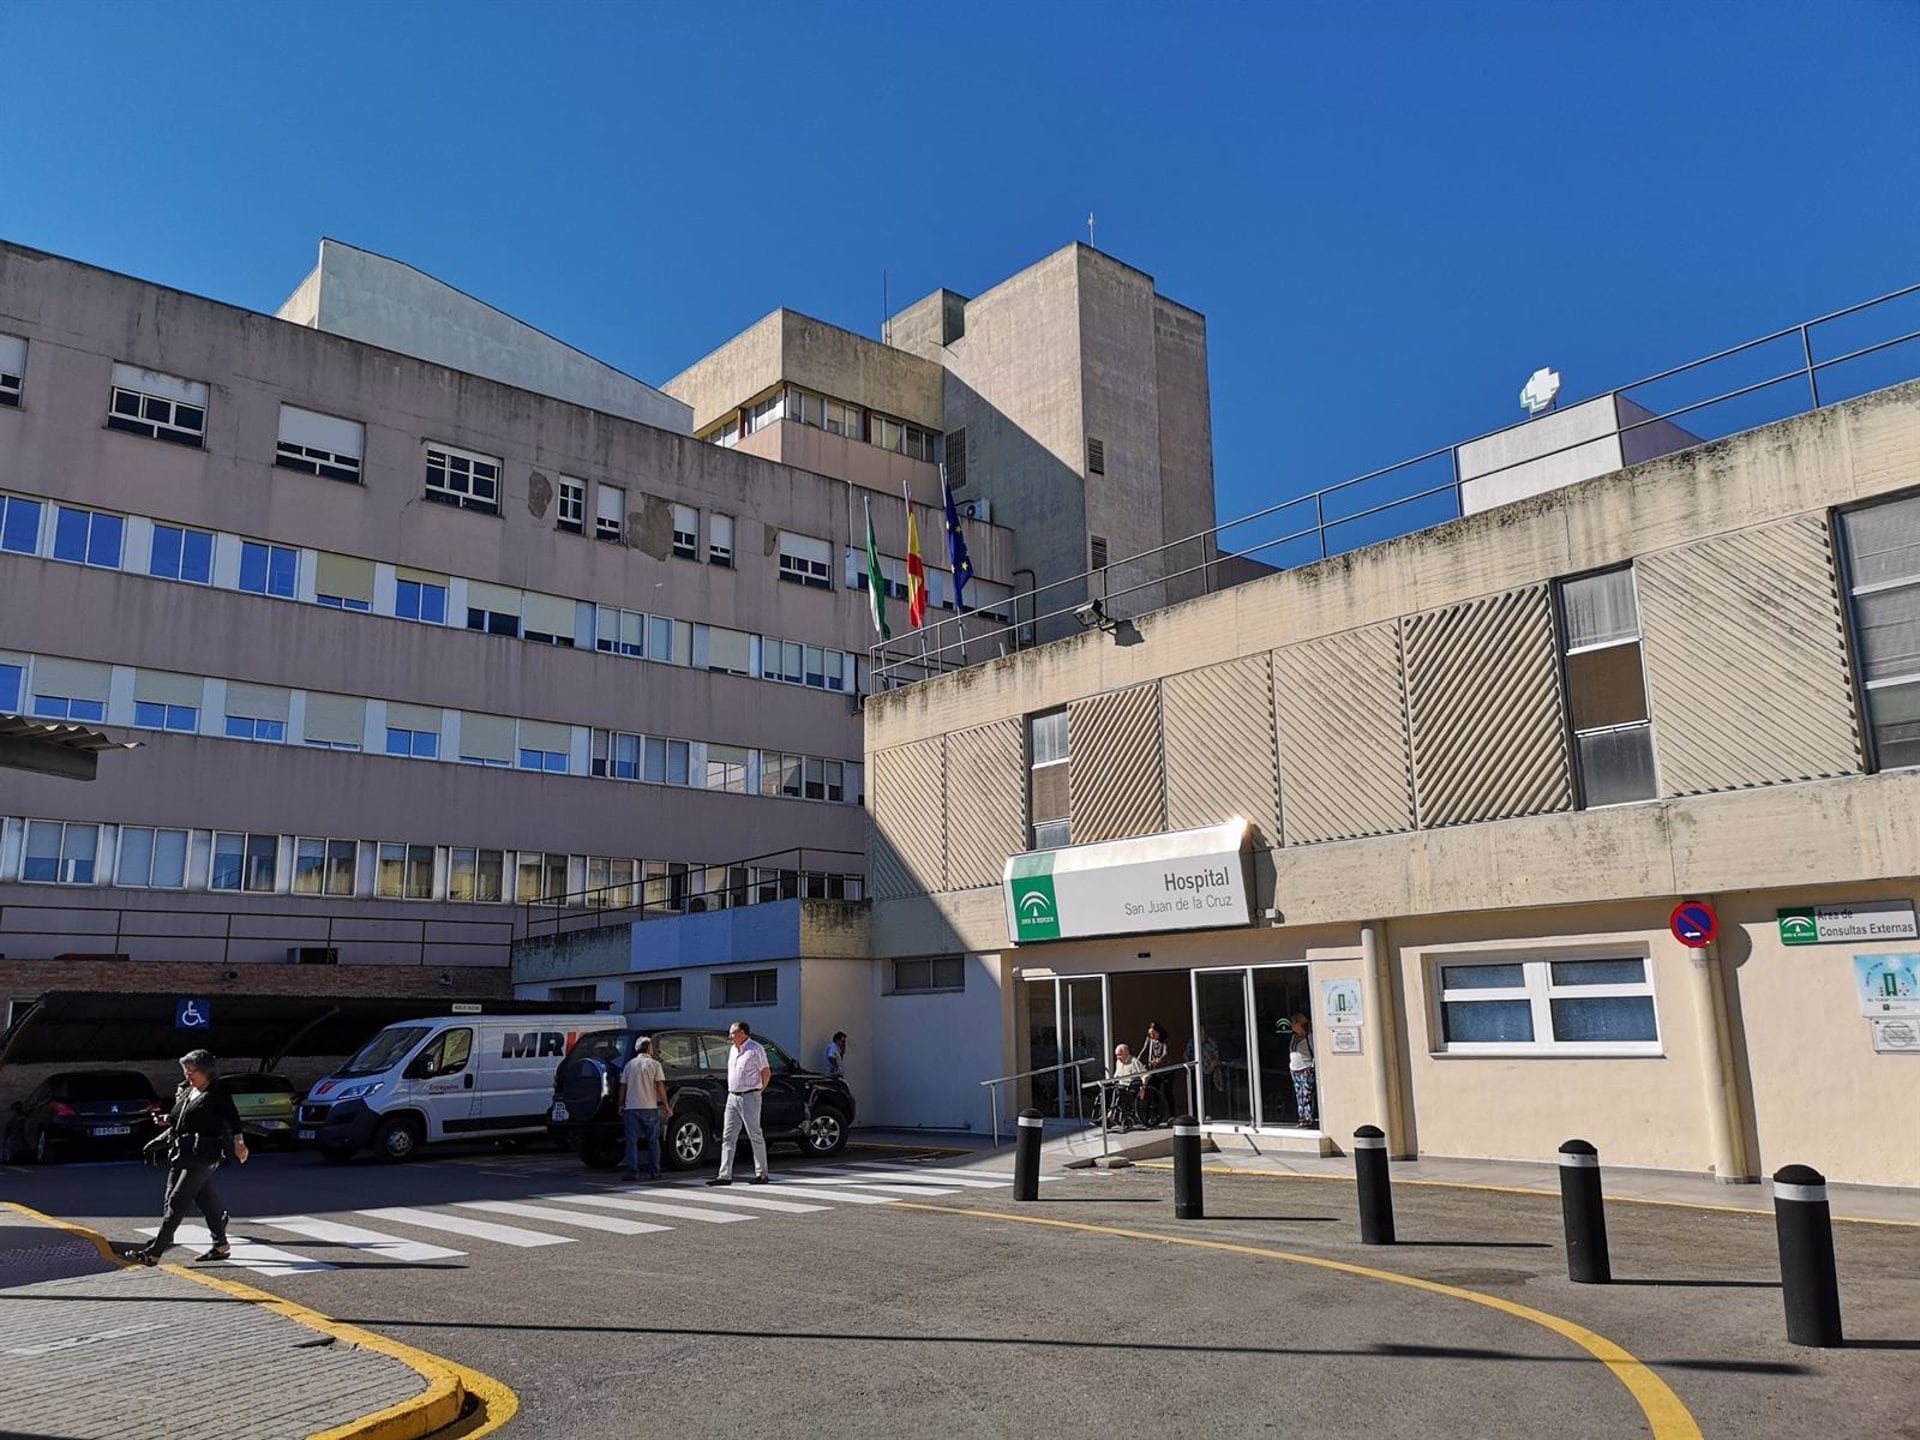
[1521, 1190]
[438, 1406]
[1668, 1417]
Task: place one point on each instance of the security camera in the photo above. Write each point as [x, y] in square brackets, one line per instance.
[229, 974]
[1092, 614]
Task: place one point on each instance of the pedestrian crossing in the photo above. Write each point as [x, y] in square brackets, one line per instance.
[380, 1234]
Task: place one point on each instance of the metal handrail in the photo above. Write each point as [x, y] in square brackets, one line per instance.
[890, 663]
[573, 911]
[993, 1099]
[1136, 1077]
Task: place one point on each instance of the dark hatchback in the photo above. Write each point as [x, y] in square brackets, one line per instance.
[90, 1112]
[800, 1105]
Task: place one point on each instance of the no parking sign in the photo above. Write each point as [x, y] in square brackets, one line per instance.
[1694, 924]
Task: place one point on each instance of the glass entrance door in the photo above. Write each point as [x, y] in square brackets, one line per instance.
[1279, 993]
[1043, 1045]
[1225, 1048]
[1083, 1011]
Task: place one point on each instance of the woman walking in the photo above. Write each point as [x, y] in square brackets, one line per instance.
[199, 1133]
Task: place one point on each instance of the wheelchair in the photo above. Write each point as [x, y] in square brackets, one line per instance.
[1115, 1106]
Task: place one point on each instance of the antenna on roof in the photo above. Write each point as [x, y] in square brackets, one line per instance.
[1540, 391]
[886, 313]
[1090, 243]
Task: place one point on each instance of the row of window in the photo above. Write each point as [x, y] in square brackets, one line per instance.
[148, 857]
[805, 407]
[1609, 717]
[89, 692]
[731, 989]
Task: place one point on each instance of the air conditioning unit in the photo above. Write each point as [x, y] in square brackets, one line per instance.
[981, 510]
[313, 955]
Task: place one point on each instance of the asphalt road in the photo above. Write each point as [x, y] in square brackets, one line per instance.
[876, 1313]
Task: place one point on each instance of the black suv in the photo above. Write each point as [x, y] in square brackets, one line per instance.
[815, 1110]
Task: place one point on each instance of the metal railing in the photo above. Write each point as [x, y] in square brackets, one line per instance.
[1369, 508]
[1108, 1083]
[993, 1091]
[792, 874]
[382, 939]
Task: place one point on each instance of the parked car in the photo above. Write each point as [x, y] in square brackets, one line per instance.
[266, 1103]
[814, 1110]
[458, 1077]
[92, 1112]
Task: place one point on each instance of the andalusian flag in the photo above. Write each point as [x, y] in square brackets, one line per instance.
[916, 571]
[876, 581]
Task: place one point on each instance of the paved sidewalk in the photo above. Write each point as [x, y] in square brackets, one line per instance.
[92, 1348]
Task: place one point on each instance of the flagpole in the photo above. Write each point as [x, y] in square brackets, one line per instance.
[906, 497]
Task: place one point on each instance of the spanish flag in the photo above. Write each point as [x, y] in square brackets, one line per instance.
[916, 572]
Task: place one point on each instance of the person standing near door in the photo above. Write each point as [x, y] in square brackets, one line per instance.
[199, 1133]
[643, 1106]
[837, 1055]
[748, 1075]
[1155, 1054]
[1300, 1066]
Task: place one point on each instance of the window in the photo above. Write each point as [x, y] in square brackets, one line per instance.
[324, 867]
[248, 727]
[1096, 456]
[619, 632]
[616, 755]
[746, 987]
[1047, 780]
[665, 762]
[88, 537]
[826, 779]
[840, 419]
[181, 555]
[13, 366]
[609, 882]
[1881, 545]
[887, 433]
[728, 435]
[152, 859]
[256, 712]
[659, 996]
[548, 619]
[723, 651]
[660, 638]
[335, 722]
[806, 561]
[1606, 692]
[574, 994]
[20, 525]
[153, 715]
[495, 609]
[316, 444]
[447, 1055]
[764, 412]
[59, 854]
[956, 450]
[727, 769]
[610, 513]
[68, 707]
[719, 539]
[571, 514]
[686, 532]
[458, 477]
[553, 762]
[781, 774]
[1578, 1005]
[1096, 552]
[422, 600]
[917, 444]
[542, 877]
[12, 677]
[162, 407]
[405, 872]
[940, 972]
[476, 875]
[244, 862]
[269, 569]
[343, 582]
[414, 744]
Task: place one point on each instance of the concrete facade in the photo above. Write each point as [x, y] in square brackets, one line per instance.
[1563, 447]
[1403, 724]
[199, 589]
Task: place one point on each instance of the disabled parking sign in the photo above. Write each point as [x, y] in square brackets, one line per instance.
[193, 1014]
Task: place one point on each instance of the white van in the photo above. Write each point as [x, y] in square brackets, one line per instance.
[442, 1077]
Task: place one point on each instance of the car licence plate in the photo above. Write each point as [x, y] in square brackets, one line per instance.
[558, 1114]
[113, 1129]
[305, 1135]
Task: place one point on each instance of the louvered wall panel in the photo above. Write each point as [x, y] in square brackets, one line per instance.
[1342, 720]
[1113, 765]
[1218, 729]
[1746, 660]
[906, 848]
[986, 802]
[1485, 710]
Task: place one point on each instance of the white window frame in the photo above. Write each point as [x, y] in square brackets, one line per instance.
[1538, 990]
[13, 368]
[407, 861]
[570, 513]
[62, 862]
[720, 552]
[327, 857]
[610, 527]
[476, 851]
[120, 859]
[39, 509]
[423, 586]
[1063, 823]
[720, 978]
[310, 459]
[179, 418]
[1567, 654]
[671, 987]
[454, 477]
[686, 532]
[291, 593]
[932, 985]
[246, 837]
[187, 716]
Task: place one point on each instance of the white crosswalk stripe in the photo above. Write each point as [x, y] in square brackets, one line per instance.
[837, 1173]
[756, 1201]
[247, 1254]
[611, 1224]
[714, 1216]
[464, 1225]
[804, 1192]
[876, 1187]
[358, 1237]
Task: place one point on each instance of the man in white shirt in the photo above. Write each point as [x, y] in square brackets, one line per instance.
[643, 1104]
[837, 1055]
[747, 1075]
[1126, 1094]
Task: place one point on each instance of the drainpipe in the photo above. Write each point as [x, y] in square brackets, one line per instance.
[1726, 1112]
[1377, 988]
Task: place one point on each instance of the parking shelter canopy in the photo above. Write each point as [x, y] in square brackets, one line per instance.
[87, 1026]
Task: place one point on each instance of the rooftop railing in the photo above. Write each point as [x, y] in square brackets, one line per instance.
[790, 874]
[1802, 367]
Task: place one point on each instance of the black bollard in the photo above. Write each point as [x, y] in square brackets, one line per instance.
[1583, 1214]
[1026, 1157]
[1376, 1191]
[1804, 1223]
[1187, 1204]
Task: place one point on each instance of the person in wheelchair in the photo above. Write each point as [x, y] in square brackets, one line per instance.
[1128, 1091]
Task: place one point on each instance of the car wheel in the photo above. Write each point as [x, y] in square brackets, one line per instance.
[398, 1139]
[336, 1154]
[689, 1138]
[42, 1148]
[824, 1133]
[601, 1154]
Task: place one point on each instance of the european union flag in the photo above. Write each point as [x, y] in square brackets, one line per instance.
[956, 547]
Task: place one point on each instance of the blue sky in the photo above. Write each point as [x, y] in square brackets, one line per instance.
[1390, 214]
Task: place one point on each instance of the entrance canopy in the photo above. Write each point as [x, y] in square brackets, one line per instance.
[72, 1026]
[1185, 880]
[50, 748]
